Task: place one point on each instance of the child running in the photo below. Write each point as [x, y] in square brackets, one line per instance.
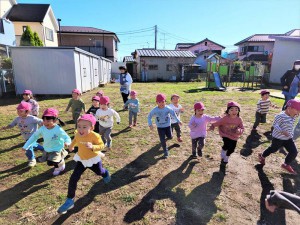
[55, 138]
[177, 109]
[88, 157]
[133, 108]
[230, 129]
[283, 135]
[27, 124]
[28, 97]
[263, 106]
[162, 115]
[198, 127]
[95, 106]
[76, 104]
[106, 121]
[100, 93]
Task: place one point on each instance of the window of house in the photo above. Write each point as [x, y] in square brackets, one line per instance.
[153, 67]
[205, 43]
[116, 45]
[49, 34]
[1, 27]
[169, 67]
[97, 43]
[24, 28]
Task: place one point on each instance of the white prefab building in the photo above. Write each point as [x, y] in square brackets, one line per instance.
[52, 70]
[286, 51]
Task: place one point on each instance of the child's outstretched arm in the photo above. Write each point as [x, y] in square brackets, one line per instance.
[32, 139]
[97, 145]
[69, 105]
[173, 114]
[149, 118]
[117, 116]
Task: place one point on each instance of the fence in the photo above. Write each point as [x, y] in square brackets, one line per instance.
[7, 84]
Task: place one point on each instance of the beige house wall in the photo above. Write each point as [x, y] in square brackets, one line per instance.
[78, 40]
[161, 73]
[39, 28]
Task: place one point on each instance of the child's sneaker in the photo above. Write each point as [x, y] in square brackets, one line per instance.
[193, 156]
[130, 125]
[107, 178]
[166, 154]
[69, 204]
[179, 139]
[200, 153]
[59, 169]
[289, 169]
[134, 124]
[261, 159]
[32, 162]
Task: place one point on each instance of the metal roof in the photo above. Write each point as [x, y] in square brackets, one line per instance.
[164, 53]
[28, 12]
[259, 38]
[77, 29]
[128, 59]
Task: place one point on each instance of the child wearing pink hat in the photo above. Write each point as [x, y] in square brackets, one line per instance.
[55, 138]
[95, 106]
[230, 129]
[162, 115]
[100, 93]
[178, 110]
[76, 104]
[28, 97]
[105, 117]
[198, 128]
[263, 106]
[88, 157]
[133, 108]
[27, 124]
[283, 135]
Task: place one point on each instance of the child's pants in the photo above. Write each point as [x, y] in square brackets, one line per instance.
[229, 145]
[162, 133]
[96, 127]
[30, 152]
[134, 115]
[105, 135]
[75, 116]
[177, 129]
[125, 97]
[276, 144]
[78, 171]
[259, 118]
[198, 143]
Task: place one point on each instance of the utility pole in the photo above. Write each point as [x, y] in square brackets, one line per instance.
[155, 36]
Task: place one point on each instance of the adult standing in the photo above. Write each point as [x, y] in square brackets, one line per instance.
[290, 82]
[125, 81]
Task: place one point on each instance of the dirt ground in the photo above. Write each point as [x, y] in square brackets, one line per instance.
[145, 188]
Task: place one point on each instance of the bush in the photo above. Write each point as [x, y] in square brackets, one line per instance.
[6, 63]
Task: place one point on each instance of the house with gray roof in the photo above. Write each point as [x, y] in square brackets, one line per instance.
[97, 41]
[162, 65]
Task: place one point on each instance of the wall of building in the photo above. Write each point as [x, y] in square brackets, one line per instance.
[201, 47]
[268, 46]
[161, 74]
[49, 24]
[8, 38]
[284, 54]
[35, 27]
[78, 40]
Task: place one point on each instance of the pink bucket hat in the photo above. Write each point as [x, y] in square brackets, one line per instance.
[233, 104]
[96, 98]
[27, 92]
[263, 92]
[51, 112]
[293, 103]
[88, 117]
[76, 91]
[174, 95]
[104, 100]
[199, 105]
[100, 93]
[160, 98]
[133, 93]
[24, 106]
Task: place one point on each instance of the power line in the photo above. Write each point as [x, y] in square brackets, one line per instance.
[135, 31]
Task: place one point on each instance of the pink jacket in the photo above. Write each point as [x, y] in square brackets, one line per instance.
[231, 128]
[198, 126]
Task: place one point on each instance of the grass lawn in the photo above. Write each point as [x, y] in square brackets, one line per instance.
[146, 189]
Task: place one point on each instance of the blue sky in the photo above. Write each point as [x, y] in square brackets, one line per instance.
[223, 21]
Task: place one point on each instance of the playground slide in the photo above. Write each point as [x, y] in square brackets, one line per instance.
[218, 81]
